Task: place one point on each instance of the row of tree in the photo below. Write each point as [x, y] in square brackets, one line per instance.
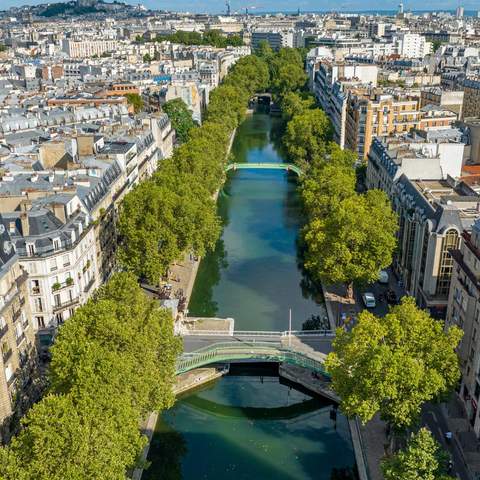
[175, 210]
[391, 365]
[112, 363]
[214, 38]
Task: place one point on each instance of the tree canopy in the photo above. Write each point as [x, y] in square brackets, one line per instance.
[181, 118]
[354, 241]
[306, 136]
[174, 211]
[421, 459]
[393, 364]
[135, 100]
[112, 362]
[214, 38]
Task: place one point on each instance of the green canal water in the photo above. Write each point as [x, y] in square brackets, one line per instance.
[253, 275]
[250, 425]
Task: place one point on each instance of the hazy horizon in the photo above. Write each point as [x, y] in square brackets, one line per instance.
[218, 6]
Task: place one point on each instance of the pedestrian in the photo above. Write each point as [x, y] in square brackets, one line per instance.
[448, 436]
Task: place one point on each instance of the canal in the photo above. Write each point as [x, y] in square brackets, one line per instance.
[251, 425]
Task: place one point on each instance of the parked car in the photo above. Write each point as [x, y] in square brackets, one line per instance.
[369, 300]
[383, 277]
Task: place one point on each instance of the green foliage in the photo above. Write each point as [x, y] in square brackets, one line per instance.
[175, 211]
[328, 182]
[393, 364]
[2, 47]
[294, 104]
[147, 58]
[354, 241]
[181, 118]
[422, 459]
[113, 362]
[214, 38]
[286, 72]
[135, 100]
[306, 136]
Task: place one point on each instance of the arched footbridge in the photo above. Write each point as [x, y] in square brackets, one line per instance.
[244, 346]
[289, 167]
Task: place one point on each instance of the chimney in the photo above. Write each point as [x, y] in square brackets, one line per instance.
[25, 224]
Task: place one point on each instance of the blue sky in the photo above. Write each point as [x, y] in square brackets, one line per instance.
[275, 5]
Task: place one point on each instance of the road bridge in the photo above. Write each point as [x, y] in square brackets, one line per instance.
[305, 349]
[289, 167]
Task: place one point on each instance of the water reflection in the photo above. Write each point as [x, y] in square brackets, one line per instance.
[251, 427]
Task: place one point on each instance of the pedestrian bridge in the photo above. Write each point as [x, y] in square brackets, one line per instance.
[289, 167]
[283, 351]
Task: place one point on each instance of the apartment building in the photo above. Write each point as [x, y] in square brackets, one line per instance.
[464, 311]
[417, 155]
[433, 209]
[471, 98]
[88, 48]
[376, 113]
[449, 100]
[332, 82]
[413, 45]
[17, 338]
[275, 38]
[56, 245]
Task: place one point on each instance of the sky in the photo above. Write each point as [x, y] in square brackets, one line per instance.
[217, 6]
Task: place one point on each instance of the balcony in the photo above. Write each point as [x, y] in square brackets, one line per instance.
[3, 330]
[67, 304]
[7, 355]
[20, 339]
[60, 286]
[89, 285]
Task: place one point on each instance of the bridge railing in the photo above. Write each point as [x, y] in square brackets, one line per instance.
[264, 351]
[260, 333]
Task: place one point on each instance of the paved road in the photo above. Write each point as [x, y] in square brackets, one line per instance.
[194, 342]
[434, 419]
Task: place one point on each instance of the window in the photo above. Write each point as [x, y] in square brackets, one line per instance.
[18, 330]
[38, 305]
[8, 372]
[57, 300]
[53, 264]
[56, 244]
[35, 287]
[66, 261]
[30, 249]
[450, 242]
[40, 322]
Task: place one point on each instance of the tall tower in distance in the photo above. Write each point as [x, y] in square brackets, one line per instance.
[227, 3]
[400, 8]
[460, 12]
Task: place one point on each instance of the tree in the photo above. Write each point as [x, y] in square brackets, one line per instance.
[393, 364]
[306, 136]
[181, 118]
[294, 104]
[286, 72]
[147, 58]
[328, 181]
[422, 459]
[135, 100]
[264, 50]
[83, 439]
[353, 242]
[112, 362]
[163, 218]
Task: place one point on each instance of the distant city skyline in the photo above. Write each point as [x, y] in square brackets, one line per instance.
[218, 6]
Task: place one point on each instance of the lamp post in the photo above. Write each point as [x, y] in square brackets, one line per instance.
[289, 327]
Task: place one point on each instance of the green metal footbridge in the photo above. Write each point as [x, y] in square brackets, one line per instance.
[226, 352]
[289, 167]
